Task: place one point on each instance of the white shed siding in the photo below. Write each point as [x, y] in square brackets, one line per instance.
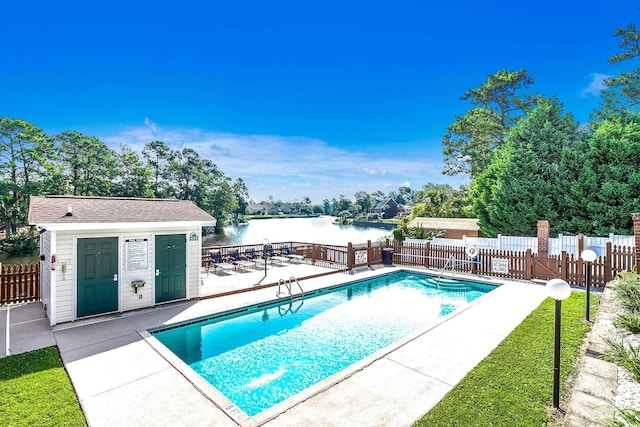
[64, 276]
[66, 282]
[45, 275]
[193, 263]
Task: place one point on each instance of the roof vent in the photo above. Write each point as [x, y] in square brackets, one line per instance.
[69, 211]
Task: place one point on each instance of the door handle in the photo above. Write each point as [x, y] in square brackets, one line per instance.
[115, 277]
[157, 272]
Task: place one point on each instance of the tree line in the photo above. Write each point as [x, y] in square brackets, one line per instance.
[529, 160]
[35, 163]
[435, 200]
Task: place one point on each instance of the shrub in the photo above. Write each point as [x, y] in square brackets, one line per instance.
[629, 321]
[22, 242]
[626, 288]
[624, 355]
[626, 418]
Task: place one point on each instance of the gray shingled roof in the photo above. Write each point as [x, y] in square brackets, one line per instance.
[53, 210]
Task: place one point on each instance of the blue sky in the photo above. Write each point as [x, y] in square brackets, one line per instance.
[298, 98]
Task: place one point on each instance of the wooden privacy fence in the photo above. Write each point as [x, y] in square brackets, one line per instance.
[515, 264]
[506, 264]
[19, 283]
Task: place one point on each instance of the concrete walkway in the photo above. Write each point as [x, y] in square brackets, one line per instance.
[594, 388]
[29, 329]
[121, 379]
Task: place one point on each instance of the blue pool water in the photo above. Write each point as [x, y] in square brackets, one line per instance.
[259, 356]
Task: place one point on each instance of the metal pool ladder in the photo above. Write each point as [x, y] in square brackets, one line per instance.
[443, 270]
[287, 284]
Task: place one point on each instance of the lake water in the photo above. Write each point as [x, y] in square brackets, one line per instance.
[310, 230]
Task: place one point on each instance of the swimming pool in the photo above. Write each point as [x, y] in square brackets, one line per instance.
[261, 355]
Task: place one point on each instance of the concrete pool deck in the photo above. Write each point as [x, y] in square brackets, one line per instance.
[121, 379]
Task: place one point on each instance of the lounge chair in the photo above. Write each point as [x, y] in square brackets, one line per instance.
[269, 252]
[284, 251]
[235, 258]
[250, 254]
[219, 263]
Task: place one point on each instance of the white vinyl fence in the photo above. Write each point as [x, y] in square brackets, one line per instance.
[521, 244]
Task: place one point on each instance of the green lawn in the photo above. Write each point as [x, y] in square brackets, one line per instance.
[513, 386]
[36, 391]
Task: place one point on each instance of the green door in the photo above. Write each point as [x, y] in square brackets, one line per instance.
[97, 276]
[171, 267]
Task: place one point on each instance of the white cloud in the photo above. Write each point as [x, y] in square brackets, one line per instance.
[596, 85]
[374, 171]
[289, 168]
[151, 125]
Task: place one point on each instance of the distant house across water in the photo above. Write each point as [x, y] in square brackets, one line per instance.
[387, 208]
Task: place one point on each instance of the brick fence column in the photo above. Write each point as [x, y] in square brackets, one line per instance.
[543, 239]
[636, 233]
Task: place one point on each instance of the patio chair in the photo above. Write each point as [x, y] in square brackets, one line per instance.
[284, 251]
[250, 254]
[219, 263]
[235, 258]
[269, 252]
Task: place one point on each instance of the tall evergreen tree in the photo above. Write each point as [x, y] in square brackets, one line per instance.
[160, 157]
[88, 162]
[132, 175]
[26, 157]
[608, 186]
[622, 92]
[522, 186]
[472, 138]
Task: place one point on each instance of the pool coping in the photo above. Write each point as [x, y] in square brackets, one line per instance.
[269, 414]
[122, 380]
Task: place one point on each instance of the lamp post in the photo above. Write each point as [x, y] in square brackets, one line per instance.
[588, 256]
[559, 290]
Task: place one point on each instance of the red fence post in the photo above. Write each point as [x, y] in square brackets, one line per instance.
[608, 260]
[581, 280]
[427, 253]
[2, 284]
[528, 264]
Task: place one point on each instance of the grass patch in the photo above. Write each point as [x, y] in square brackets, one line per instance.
[35, 390]
[513, 386]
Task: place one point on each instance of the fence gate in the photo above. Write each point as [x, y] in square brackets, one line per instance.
[545, 268]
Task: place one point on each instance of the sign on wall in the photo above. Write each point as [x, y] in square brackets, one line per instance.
[500, 265]
[361, 257]
[136, 252]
